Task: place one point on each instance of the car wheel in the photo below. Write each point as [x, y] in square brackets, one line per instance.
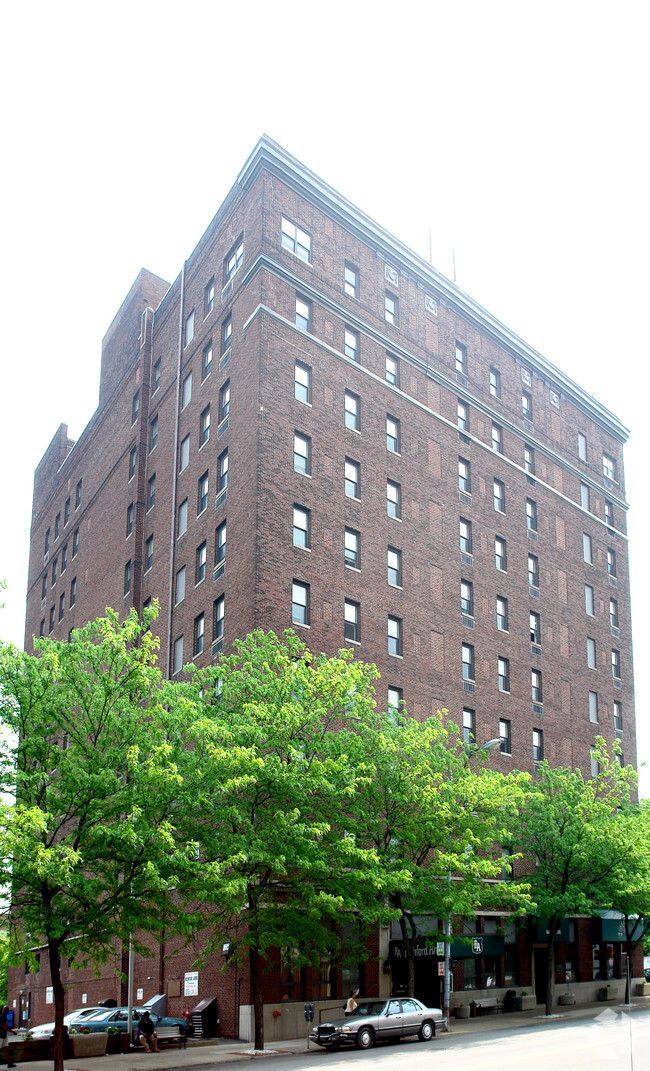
[427, 1031]
[365, 1038]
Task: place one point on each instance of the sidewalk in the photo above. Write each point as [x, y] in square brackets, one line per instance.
[222, 1051]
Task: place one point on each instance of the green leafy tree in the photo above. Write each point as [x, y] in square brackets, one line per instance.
[568, 828]
[89, 848]
[628, 885]
[437, 818]
[271, 787]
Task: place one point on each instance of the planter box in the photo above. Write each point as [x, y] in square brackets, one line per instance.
[23, 1051]
[566, 998]
[462, 1012]
[527, 1002]
[608, 992]
[643, 989]
[82, 1045]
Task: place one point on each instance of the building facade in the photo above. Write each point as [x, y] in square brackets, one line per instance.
[311, 426]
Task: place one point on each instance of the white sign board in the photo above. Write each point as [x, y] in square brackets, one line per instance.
[49, 994]
[139, 993]
[84, 998]
[191, 984]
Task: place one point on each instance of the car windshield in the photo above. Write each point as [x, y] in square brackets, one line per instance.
[370, 1007]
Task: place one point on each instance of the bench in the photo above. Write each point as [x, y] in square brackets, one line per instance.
[487, 1005]
[167, 1035]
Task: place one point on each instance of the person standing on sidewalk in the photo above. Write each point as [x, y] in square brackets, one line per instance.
[5, 1029]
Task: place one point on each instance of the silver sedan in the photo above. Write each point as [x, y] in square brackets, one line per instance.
[379, 1020]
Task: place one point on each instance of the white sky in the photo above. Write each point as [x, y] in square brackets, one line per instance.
[517, 132]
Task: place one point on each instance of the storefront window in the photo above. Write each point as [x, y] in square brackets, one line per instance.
[510, 976]
[469, 974]
[291, 977]
[490, 971]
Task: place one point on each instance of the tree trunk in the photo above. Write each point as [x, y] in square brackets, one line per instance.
[550, 977]
[256, 992]
[53, 949]
[410, 959]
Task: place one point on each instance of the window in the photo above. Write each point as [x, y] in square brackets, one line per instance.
[206, 361]
[133, 456]
[464, 481]
[302, 382]
[352, 410]
[199, 634]
[616, 664]
[395, 567]
[395, 698]
[184, 455]
[392, 434]
[77, 495]
[52, 618]
[392, 370]
[153, 434]
[502, 613]
[533, 571]
[461, 358]
[462, 415]
[44, 585]
[180, 584]
[591, 653]
[609, 513]
[351, 626]
[467, 597]
[529, 460]
[535, 628]
[54, 571]
[352, 548]
[301, 526]
[503, 671]
[351, 280]
[57, 526]
[75, 543]
[151, 492]
[148, 553]
[220, 544]
[130, 510]
[395, 636]
[393, 499]
[61, 605]
[584, 495]
[613, 609]
[587, 549]
[500, 553]
[222, 477]
[303, 313]
[618, 720]
[302, 454]
[300, 603]
[351, 344]
[497, 438]
[352, 478]
[589, 600]
[127, 578]
[189, 328]
[469, 726]
[226, 338]
[73, 591]
[495, 382]
[593, 706]
[582, 446]
[64, 560]
[182, 518]
[531, 515]
[465, 536]
[219, 617]
[202, 493]
[186, 391]
[201, 562]
[505, 739]
[156, 375]
[499, 494]
[391, 306]
[467, 660]
[536, 685]
[609, 468]
[208, 297]
[538, 745]
[232, 263]
[178, 655]
[204, 426]
[526, 405]
[66, 512]
[611, 561]
[135, 407]
[296, 240]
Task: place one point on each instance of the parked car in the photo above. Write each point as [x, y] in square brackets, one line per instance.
[379, 1020]
[73, 1018]
[105, 1017]
[647, 974]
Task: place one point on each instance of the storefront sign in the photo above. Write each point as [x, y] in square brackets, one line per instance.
[191, 988]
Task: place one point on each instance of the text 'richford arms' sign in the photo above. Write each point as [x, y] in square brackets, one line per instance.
[488, 944]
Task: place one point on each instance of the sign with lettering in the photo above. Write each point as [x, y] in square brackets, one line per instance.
[477, 946]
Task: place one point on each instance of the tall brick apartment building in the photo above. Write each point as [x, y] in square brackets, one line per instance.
[311, 425]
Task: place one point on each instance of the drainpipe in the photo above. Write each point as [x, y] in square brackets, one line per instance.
[172, 532]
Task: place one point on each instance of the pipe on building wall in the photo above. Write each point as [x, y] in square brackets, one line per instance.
[172, 533]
